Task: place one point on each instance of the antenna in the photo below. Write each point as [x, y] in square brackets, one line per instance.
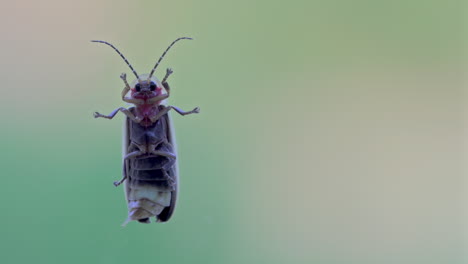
[164, 54]
[121, 55]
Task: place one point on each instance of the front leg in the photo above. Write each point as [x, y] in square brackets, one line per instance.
[121, 109]
[133, 101]
[156, 99]
[127, 88]
[169, 71]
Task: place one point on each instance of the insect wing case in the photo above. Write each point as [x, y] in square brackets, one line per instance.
[152, 185]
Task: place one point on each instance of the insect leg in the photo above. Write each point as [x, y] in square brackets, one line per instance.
[133, 101]
[196, 110]
[125, 90]
[121, 109]
[156, 99]
[123, 76]
[169, 71]
[124, 176]
[170, 179]
[134, 154]
[164, 111]
[160, 114]
[152, 150]
[130, 155]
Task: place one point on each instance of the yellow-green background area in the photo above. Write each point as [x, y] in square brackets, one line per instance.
[330, 131]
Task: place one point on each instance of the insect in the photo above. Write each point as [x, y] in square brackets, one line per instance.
[150, 171]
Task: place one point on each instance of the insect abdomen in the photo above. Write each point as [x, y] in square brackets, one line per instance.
[152, 180]
[150, 185]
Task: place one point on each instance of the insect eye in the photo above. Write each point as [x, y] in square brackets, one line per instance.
[137, 87]
[152, 86]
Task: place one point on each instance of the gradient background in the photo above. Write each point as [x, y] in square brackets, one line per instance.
[330, 131]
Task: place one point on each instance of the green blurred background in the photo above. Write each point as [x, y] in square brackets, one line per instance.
[330, 131]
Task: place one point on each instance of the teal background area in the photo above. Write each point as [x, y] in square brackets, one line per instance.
[330, 131]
